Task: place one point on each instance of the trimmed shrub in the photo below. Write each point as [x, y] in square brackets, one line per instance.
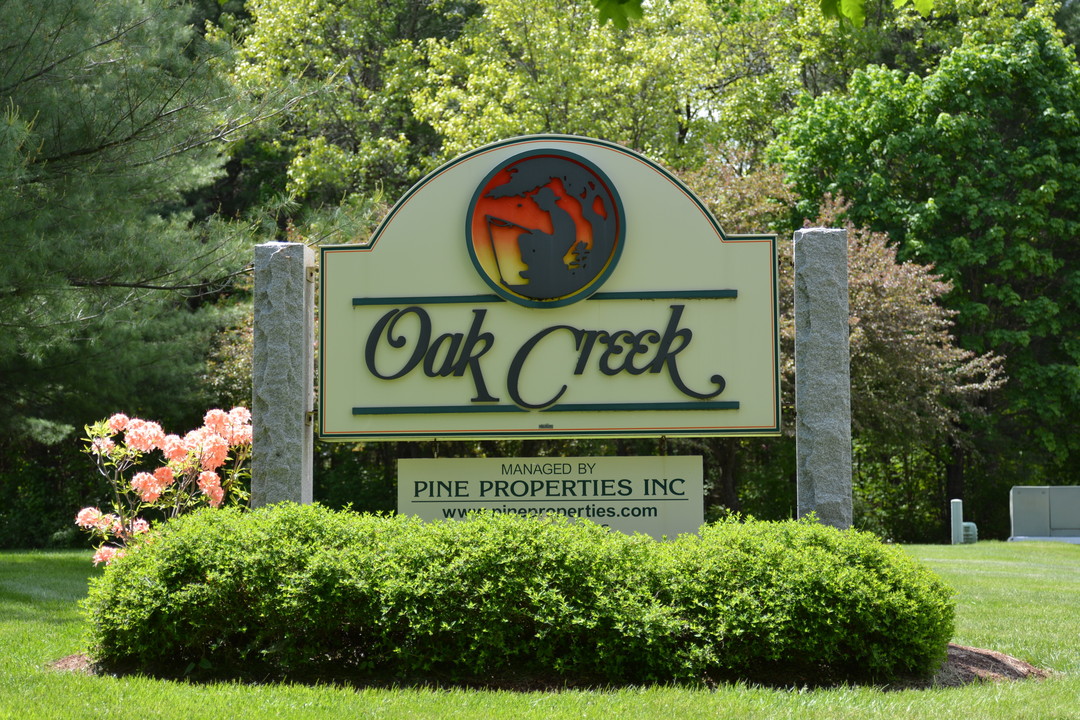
[302, 591]
[805, 601]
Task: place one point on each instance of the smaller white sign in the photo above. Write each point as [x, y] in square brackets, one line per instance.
[657, 496]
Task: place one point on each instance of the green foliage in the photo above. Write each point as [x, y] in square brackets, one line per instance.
[896, 35]
[226, 379]
[975, 169]
[302, 591]
[41, 486]
[619, 12]
[689, 74]
[111, 113]
[1067, 18]
[911, 384]
[392, 87]
[356, 63]
[855, 10]
[524, 67]
[898, 493]
[806, 598]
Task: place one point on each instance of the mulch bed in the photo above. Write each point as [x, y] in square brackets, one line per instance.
[964, 666]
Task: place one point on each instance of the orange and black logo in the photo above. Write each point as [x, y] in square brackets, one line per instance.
[545, 228]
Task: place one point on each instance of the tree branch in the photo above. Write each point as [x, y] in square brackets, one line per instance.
[53, 65]
[148, 285]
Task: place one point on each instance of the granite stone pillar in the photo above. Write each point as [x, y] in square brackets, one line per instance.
[283, 380]
[822, 376]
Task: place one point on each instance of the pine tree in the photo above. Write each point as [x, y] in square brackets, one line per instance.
[110, 112]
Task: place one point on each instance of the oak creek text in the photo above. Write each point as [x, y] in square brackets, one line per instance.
[455, 354]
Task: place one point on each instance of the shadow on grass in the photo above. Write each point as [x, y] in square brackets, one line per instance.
[963, 666]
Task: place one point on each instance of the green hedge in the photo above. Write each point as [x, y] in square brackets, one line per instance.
[302, 591]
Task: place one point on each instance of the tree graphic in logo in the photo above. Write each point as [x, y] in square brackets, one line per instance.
[545, 228]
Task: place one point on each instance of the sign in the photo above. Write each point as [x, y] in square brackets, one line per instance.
[659, 496]
[549, 286]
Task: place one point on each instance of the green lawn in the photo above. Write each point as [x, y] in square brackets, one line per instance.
[1018, 598]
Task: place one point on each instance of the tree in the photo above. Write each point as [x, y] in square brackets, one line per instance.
[112, 112]
[1068, 19]
[686, 76]
[976, 170]
[533, 67]
[357, 63]
[393, 87]
[900, 38]
[621, 12]
[911, 384]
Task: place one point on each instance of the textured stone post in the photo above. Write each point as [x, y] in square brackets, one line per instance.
[822, 376]
[956, 521]
[283, 381]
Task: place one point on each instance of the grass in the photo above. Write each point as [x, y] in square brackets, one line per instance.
[1018, 598]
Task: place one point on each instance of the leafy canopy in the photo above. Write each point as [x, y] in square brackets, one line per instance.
[976, 170]
[685, 77]
[621, 12]
[910, 382]
[357, 62]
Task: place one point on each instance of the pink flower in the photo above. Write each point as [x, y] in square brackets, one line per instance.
[210, 484]
[102, 446]
[144, 435]
[216, 420]
[209, 447]
[239, 430]
[93, 519]
[164, 476]
[173, 448]
[239, 435]
[208, 479]
[107, 553]
[118, 422]
[147, 486]
[214, 452]
[240, 426]
[216, 494]
[88, 517]
[139, 526]
[240, 415]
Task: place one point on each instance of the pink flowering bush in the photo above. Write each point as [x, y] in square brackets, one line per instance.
[205, 467]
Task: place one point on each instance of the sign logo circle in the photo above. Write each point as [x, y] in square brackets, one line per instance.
[545, 228]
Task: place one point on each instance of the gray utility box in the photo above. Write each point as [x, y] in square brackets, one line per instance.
[1040, 511]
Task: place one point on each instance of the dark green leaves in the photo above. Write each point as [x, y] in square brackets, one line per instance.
[855, 10]
[976, 169]
[619, 12]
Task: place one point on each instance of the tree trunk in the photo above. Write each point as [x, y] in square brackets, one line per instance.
[724, 491]
[954, 484]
